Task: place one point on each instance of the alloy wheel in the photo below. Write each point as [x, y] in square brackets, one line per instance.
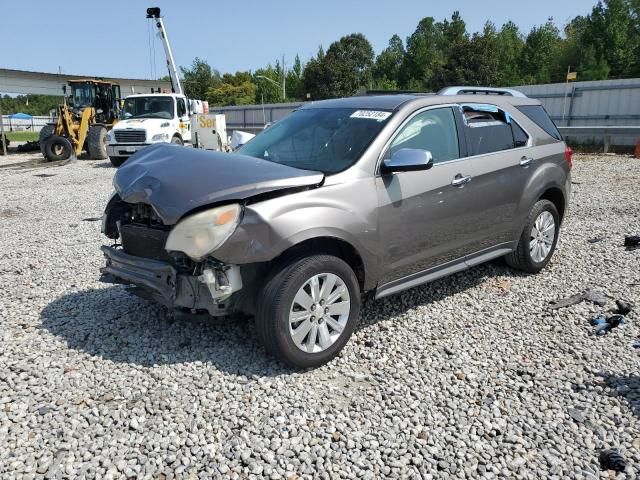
[319, 312]
[542, 236]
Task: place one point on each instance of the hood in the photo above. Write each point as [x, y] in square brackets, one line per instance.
[175, 180]
[140, 123]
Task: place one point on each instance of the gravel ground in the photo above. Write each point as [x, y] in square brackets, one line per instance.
[471, 376]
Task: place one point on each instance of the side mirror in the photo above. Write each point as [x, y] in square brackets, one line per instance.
[408, 160]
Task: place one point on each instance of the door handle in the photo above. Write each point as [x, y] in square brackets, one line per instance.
[525, 161]
[459, 180]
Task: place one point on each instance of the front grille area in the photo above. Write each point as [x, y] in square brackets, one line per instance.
[142, 241]
[130, 136]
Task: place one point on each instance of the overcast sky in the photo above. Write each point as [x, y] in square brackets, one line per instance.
[111, 38]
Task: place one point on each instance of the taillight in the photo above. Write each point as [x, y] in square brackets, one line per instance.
[567, 156]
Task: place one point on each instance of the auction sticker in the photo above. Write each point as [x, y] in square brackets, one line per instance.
[377, 115]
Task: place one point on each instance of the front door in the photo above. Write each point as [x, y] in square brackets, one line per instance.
[423, 215]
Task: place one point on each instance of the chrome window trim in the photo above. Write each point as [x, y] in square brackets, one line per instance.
[393, 136]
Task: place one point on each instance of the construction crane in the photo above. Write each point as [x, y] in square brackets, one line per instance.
[176, 86]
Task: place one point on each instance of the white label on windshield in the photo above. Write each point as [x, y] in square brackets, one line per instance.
[371, 114]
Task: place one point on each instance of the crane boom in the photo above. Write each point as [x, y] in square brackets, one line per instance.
[176, 86]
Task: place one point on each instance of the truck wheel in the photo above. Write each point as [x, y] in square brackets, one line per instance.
[308, 309]
[117, 161]
[538, 240]
[177, 140]
[57, 148]
[45, 133]
[97, 142]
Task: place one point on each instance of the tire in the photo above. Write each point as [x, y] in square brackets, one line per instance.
[58, 148]
[117, 161]
[97, 142]
[525, 257]
[276, 303]
[177, 140]
[45, 133]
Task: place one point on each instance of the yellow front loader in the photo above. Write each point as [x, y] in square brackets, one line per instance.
[84, 124]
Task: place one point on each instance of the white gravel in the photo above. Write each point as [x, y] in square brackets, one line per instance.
[471, 376]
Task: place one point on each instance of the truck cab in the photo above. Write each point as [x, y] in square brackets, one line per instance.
[147, 119]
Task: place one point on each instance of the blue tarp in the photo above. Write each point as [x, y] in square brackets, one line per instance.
[20, 116]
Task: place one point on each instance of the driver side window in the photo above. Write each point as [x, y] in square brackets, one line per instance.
[182, 108]
[433, 130]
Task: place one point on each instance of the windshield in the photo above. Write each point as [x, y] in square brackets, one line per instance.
[83, 95]
[148, 107]
[328, 140]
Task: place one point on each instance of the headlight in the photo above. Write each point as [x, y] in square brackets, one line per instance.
[160, 137]
[109, 137]
[200, 234]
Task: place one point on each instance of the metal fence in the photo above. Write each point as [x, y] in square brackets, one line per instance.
[598, 103]
[34, 124]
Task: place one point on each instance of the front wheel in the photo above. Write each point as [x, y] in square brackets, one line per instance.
[308, 309]
[117, 161]
[177, 140]
[538, 240]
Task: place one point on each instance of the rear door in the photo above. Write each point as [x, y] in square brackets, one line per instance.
[502, 163]
[423, 216]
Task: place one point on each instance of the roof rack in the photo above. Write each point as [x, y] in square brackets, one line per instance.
[508, 92]
[395, 92]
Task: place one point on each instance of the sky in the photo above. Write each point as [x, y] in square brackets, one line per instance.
[112, 38]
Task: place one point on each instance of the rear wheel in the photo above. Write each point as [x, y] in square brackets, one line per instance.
[117, 161]
[57, 148]
[308, 309]
[97, 142]
[538, 240]
[45, 133]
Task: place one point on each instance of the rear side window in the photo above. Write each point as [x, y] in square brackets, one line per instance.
[540, 117]
[490, 129]
[520, 137]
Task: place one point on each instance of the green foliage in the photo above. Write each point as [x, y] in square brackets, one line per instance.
[236, 89]
[603, 44]
[31, 104]
[346, 68]
[199, 79]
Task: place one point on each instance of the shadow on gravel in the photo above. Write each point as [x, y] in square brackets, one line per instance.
[113, 324]
[625, 386]
[106, 164]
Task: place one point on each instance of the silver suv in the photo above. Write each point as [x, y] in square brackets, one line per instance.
[342, 197]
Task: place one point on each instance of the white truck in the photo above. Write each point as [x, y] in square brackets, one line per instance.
[162, 117]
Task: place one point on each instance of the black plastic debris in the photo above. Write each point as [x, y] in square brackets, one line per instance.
[91, 219]
[589, 295]
[623, 308]
[632, 242]
[45, 175]
[595, 239]
[612, 459]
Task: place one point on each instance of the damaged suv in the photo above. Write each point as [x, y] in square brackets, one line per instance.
[369, 194]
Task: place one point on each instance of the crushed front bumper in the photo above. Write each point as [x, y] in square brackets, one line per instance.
[161, 282]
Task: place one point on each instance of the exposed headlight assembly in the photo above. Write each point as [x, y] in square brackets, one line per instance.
[160, 137]
[200, 234]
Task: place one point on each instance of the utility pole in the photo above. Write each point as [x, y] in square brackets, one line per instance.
[284, 81]
[4, 140]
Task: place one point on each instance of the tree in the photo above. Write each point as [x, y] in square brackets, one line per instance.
[509, 46]
[541, 49]
[346, 67]
[424, 55]
[199, 79]
[388, 65]
[295, 80]
[233, 89]
[269, 91]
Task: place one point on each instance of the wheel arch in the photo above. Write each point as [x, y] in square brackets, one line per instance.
[555, 196]
[328, 245]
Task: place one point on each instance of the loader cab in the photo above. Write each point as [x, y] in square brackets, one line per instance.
[103, 96]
